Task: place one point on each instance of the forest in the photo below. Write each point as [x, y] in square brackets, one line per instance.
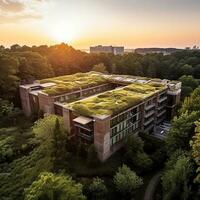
[37, 160]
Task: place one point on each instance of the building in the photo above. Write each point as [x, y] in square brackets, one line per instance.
[107, 49]
[164, 51]
[104, 109]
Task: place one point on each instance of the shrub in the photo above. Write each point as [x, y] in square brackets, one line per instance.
[97, 190]
[82, 150]
[126, 182]
[92, 157]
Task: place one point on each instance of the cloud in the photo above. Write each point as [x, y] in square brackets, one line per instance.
[12, 6]
[18, 18]
[16, 11]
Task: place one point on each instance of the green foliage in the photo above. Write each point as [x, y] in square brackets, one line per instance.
[188, 85]
[186, 91]
[186, 69]
[97, 190]
[126, 182]
[44, 128]
[192, 103]
[92, 156]
[59, 153]
[8, 113]
[100, 68]
[181, 132]
[176, 177]
[21, 172]
[6, 151]
[195, 144]
[188, 81]
[9, 81]
[135, 155]
[54, 187]
[33, 66]
[50, 132]
[82, 150]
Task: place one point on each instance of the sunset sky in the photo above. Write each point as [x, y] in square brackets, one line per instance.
[82, 23]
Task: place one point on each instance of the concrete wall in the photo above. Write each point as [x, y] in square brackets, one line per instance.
[25, 101]
[67, 119]
[102, 137]
[46, 103]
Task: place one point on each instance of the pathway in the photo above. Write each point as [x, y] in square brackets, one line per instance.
[153, 183]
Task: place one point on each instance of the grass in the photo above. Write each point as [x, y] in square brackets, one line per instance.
[115, 101]
[69, 83]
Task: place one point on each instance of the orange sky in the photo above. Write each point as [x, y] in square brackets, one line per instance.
[131, 23]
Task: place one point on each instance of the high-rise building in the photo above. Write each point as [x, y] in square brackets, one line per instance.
[104, 109]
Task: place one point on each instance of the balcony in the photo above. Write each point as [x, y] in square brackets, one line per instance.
[86, 136]
[150, 106]
[161, 113]
[148, 121]
[162, 99]
[83, 127]
[161, 107]
[148, 114]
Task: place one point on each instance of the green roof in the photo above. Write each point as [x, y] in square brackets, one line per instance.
[115, 101]
[70, 83]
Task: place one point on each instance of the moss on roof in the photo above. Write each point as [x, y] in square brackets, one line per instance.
[115, 101]
[73, 82]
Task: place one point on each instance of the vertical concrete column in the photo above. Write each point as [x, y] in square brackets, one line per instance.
[142, 113]
[46, 103]
[67, 119]
[102, 136]
[25, 100]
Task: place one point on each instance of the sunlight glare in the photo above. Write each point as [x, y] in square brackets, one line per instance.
[63, 32]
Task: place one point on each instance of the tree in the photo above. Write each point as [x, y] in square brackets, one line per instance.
[33, 66]
[181, 132]
[185, 91]
[191, 103]
[100, 68]
[186, 69]
[59, 153]
[195, 144]
[50, 132]
[9, 81]
[97, 190]
[92, 157]
[54, 187]
[82, 150]
[127, 181]
[188, 81]
[134, 153]
[188, 85]
[175, 179]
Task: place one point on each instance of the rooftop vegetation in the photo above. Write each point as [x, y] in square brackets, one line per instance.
[69, 83]
[115, 101]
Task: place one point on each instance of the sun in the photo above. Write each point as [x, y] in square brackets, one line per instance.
[62, 32]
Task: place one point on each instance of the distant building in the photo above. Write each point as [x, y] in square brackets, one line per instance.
[164, 51]
[107, 49]
[195, 47]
